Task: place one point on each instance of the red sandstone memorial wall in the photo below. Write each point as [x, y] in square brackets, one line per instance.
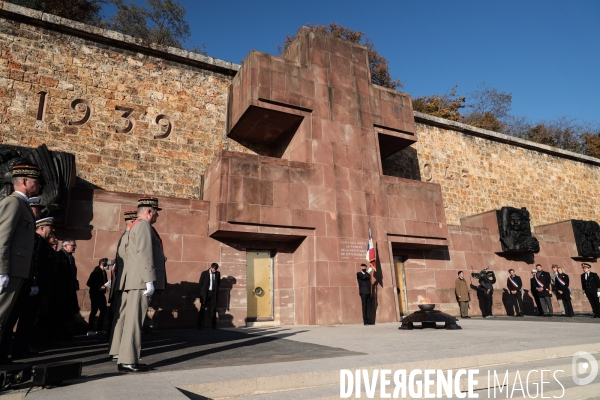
[295, 155]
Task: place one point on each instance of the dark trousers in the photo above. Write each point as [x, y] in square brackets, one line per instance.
[538, 304]
[24, 313]
[365, 299]
[211, 298]
[568, 307]
[98, 303]
[594, 302]
[517, 301]
[487, 304]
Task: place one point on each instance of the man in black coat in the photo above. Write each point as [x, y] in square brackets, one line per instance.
[540, 284]
[364, 290]
[96, 282]
[515, 286]
[209, 293]
[590, 284]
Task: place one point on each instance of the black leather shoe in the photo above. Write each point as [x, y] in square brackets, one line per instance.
[132, 367]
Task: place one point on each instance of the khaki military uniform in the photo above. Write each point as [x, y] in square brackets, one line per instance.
[145, 262]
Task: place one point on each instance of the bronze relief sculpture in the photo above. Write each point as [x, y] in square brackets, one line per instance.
[587, 238]
[515, 231]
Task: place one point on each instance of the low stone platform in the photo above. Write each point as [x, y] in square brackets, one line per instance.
[305, 361]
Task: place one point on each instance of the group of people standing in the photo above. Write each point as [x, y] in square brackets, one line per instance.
[542, 284]
[38, 282]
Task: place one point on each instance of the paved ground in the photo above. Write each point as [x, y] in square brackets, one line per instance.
[190, 349]
[183, 361]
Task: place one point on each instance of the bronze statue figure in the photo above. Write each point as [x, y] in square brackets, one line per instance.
[515, 231]
[587, 238]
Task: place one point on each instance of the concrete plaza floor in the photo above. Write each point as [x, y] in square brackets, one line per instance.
[304, 361]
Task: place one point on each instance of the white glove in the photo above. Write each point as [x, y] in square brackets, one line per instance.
[34, 290]
[3, 282]
[370, 270]
[107, 285]
[149, 289]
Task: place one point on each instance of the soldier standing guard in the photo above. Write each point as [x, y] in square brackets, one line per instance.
[115, 288]
[17, 237]
[591, 288]
[144, 269]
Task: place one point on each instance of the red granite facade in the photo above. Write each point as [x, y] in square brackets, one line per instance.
[320, 130]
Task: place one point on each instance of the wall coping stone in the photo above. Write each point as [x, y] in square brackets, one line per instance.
[502, 138]
[116, 39]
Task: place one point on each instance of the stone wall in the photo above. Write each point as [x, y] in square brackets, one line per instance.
[480, 170]
[111, 75]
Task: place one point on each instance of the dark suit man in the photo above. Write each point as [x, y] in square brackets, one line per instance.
[590, 284]
[209, 293]
[515, 286]
[17, 239]
[563, 291]
[143, 273]
[364, 290]
[534, 293]
[96, 283]
[541, 284]
[67, 265]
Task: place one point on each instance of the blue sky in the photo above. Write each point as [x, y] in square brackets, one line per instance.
[546, 53]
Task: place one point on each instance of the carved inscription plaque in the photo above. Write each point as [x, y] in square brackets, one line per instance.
[353, 250]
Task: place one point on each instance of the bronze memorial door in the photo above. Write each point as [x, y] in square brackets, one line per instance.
[259, 285]
[400, 285]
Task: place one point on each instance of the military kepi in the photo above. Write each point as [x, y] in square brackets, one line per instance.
[49, 221]
[26, 171]
[130, 215]
[147, 201]
[585, 265]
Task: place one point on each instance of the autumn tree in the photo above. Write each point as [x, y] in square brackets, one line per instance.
[378, 64]
[489, 107]
[445, 106]
[86, 11]
[156, 21]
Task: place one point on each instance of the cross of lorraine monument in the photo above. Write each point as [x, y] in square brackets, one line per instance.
[320, 129]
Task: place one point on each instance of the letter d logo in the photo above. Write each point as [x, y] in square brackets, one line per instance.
[584, 363]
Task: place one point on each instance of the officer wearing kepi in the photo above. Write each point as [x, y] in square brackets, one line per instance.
[17, 236]
[143, 273]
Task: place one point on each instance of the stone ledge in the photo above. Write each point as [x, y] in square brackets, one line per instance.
[116, 39]
[500, 137]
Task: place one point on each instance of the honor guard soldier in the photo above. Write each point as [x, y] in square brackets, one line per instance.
[591, 287]
[115, 288]
[17, 237]
[143, 273]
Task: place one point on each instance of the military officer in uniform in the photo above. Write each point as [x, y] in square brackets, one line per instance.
[29, 301]
[364, 290]
[143, 273]
[115, 287]
[591, 286]
[17, 239]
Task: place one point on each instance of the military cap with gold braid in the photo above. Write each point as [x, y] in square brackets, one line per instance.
[49, 221]
[585, 265]
[27, 171]
[130, 215]
[147, 201]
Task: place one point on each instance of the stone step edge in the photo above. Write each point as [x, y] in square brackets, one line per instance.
[269, 384]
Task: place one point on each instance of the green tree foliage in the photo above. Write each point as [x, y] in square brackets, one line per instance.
[445, 106]
[378, 64]
[86, 11]
[156, 21]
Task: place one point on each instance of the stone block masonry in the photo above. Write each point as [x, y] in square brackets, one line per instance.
[106, 103]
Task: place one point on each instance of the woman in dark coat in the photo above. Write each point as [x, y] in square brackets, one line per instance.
[564, 292]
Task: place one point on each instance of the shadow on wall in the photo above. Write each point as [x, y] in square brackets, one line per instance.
[403, 164]
[177, 306]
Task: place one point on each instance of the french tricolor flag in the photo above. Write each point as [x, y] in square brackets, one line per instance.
[371, 251]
